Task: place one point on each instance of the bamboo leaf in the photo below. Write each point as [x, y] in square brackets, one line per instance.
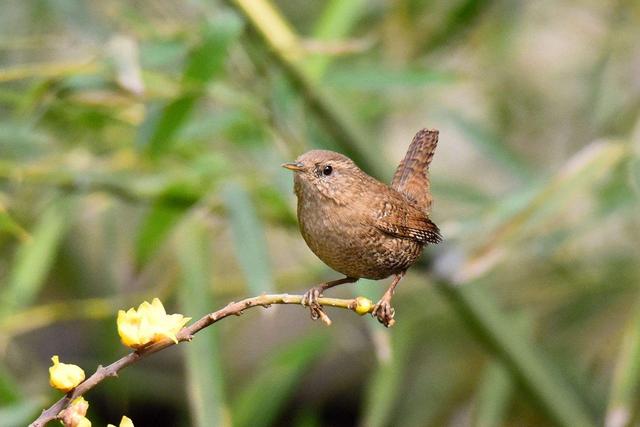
[459, 19]
[154, 229]
[163, 123]
[260, 402]
[10, 225]
[626, 376]
[381, 392]
[307, 418]
[492, 400]
[336, 21]
[248, 239]
[48, 70]
[34, 258]
[204, 370]
[586, 167]
[378, 78]
[497, 387]
[284, 44]
[494, 147]
[204, 63]
[19, 414]
[458, 191]
[539, 378]
[385, 381]
[8, 386]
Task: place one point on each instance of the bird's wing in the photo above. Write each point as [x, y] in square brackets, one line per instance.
[406, 222]
[412, 176]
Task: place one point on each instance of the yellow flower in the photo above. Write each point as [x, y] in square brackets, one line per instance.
[63, 376]
[124, 422]
[363, 305]
[150, 323]
[74, 415]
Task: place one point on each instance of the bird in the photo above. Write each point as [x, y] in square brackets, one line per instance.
[361, 227]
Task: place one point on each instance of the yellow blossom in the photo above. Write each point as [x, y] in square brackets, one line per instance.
[124, 422]
[74, 415]
[149, 323]
[64, 377]
[363, 305]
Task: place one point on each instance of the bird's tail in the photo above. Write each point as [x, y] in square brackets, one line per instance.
[412, 176]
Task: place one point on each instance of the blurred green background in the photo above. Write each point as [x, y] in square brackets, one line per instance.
[140, 144]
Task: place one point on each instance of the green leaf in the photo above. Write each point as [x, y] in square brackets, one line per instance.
[382, 389]
[158, 53]
[276, 36]
[494, 147]
[458, 191]
[336, 21]
[377, 78]
[497, 387]
[21, 413]
[248, 239]
[307, 418]
[634, 172]
[19, 141]
[153, 232]
[385, 382]
[543, 381]
[531, 205]
[205, 376]
[260, 402]
[9, 387]
[34, 258]
[459, 19]
[204, 63]
[11, 226]
[626, 376]
[162, 124]
[492, 400]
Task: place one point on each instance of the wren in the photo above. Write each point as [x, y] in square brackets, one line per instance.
[360, 226]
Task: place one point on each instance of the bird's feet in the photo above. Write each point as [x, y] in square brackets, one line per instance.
[384, 312]
[310, 299]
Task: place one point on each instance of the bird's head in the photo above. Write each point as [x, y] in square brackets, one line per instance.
[323, 173]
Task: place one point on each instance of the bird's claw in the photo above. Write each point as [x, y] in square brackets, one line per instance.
[310, 299]
[384, 312]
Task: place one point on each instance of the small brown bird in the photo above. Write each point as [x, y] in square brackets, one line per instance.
[361, 227]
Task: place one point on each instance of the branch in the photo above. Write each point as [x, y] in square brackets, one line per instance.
[186, 334]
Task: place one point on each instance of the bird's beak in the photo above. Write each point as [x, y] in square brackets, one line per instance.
[294, 166]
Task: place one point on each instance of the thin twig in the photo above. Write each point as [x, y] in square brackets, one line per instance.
[186, 334]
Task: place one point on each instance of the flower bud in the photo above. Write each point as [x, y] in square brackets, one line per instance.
[74, 414]
[64, 377]
[149, 323]
[124, 422]
[363, 305]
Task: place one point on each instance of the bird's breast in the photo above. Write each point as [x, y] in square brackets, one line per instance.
[343, 237]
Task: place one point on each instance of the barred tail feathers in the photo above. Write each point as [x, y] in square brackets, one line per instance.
[412, 176]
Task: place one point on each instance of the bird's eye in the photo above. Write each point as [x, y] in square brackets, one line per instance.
[326, 171]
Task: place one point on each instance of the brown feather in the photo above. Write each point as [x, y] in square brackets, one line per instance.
[412, 176]
[398, 219]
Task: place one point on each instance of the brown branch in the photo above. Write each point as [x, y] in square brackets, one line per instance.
[186, 334]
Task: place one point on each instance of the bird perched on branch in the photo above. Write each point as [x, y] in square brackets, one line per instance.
[361, 227]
